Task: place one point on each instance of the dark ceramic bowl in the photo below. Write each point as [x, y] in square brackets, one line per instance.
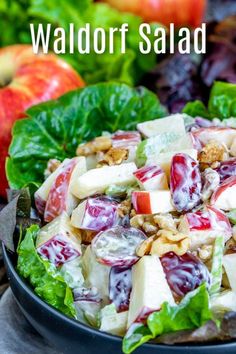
[72, 337]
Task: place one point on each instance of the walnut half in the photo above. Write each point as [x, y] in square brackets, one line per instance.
[101, 143]
[114, 156]
[212, 153]
[169, 241]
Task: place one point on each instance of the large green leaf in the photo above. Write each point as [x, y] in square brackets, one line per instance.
[93, 67]
[47, 283]
[192, 312]
[55, 128]
[222, 103]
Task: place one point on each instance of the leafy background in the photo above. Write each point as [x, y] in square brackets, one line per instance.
[55, 128]
[15, 16]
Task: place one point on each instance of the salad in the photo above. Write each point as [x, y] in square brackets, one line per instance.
[136, 233]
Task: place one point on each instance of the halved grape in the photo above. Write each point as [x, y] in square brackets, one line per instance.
[117, 246]
[120, 285]
[184, 273]
[185, 182]
[227, 169]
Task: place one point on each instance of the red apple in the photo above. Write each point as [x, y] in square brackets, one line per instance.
[152, 202]
[25, 80]
[125, 139]
[180, 12]
[223, 135]
[205, 225]
[78, 167]
[58, 241]
[151, 178]
[60, 198]
[224, 196]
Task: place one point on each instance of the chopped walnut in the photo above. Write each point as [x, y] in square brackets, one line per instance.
[87, 236]
[212, 153]
[149, 228]
[133, 213]
[52, 165]
[101, 143]
[205, 252]
[168, 241]
[165, 221]
[137, 221]
[211, 181]
[124, 208]
[145, 247]
[145, 223]
[230, 246]
[114, 156]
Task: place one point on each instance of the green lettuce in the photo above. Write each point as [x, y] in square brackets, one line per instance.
[16, 15]
[55, 128]
[192, 312]
[127, 68]
[43, 277]
[222, 103]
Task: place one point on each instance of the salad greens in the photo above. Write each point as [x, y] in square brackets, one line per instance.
[193, 311]
[127, 68]
[222, 103]
[55, 128]
[47, 283]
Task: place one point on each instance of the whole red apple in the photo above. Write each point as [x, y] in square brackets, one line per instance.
[180, 12]
[25, 80]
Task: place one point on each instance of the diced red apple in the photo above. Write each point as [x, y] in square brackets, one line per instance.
[96, 181]
[151, 178]
[95, 214]
[153, 202]
[60, 197]
[41, 195]
[149, 289]
[58, 241]
[204, 226]
[225, 195]
[125, 139]
[173, 123]
[222, 135]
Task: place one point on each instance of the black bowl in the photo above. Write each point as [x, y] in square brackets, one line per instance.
[72, 337]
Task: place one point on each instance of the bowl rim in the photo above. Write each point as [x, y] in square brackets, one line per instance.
[93, 331]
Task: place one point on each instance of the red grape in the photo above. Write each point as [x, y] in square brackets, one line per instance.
[227, 169]
[185, 182]
[120, 285]
[184, 273]
[117, 246]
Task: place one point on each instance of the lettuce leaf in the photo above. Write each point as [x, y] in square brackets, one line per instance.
[47, 283]
[127, 68]
[55, 128]
[222, 103]
[192, 312]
